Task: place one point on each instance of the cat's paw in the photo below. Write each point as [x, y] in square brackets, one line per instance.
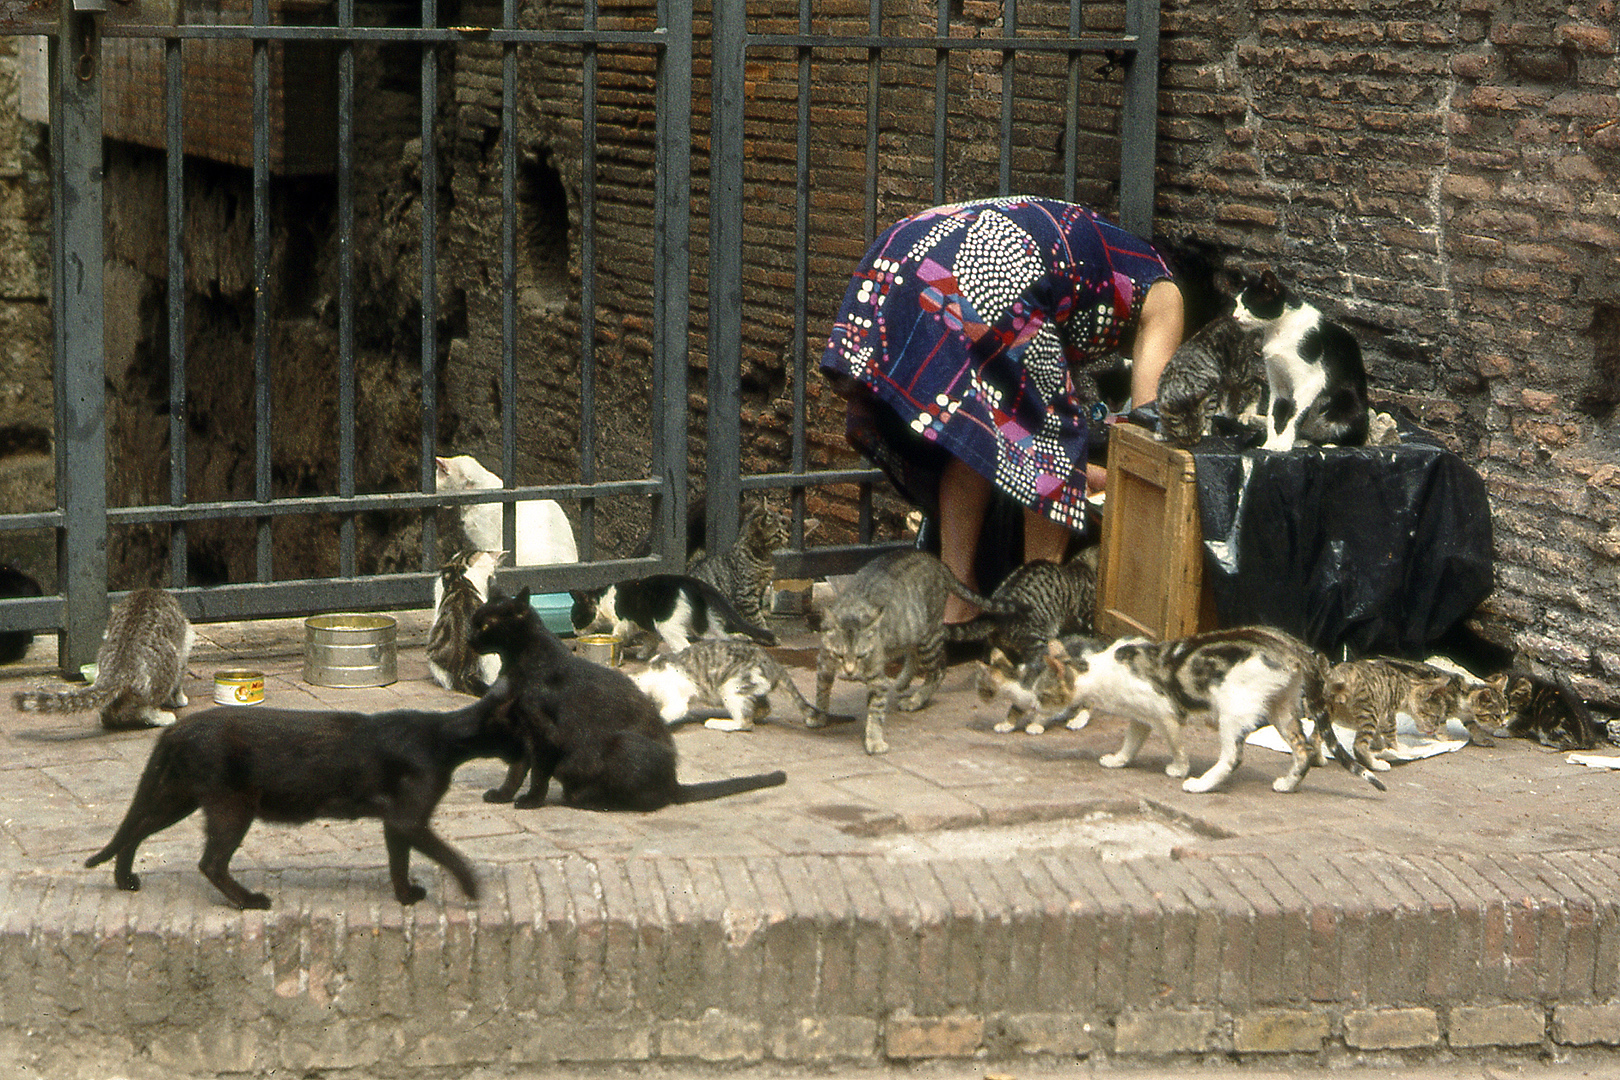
[1177, 769]
[1199, 784]
[1113, 761]
[1035, 727]
[162, 718]
[1079, 720]
[255, 901]
[817, 718]
[1286, 784]
[410, 894]
[129, 882]
[529, 801]
[180, 700]
[496, 795]
[914, 701]
[1003, 727]
[1479, 738]
[727, 723]
[1376, 764]
[875, 743]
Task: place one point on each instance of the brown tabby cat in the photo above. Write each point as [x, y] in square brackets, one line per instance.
[1365, 696]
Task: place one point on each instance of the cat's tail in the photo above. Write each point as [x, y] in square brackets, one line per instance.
[80, 699]
[991, 606]
[1331, 739]
[719, 789]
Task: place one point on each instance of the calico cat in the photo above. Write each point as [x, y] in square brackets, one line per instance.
[743, 573]
[892, 611]
[1551, 712]
[584, 723]
[1239, 679]
[544, 535]
[672, 607]
[737, 676]
[14, 644]
[1035, 701]
[1047, 599]
[139, 667]
[241, 763]
[1317, 381]
[1216, 372]
[462, 585]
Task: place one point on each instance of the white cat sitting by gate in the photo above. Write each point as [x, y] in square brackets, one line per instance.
[544, 535]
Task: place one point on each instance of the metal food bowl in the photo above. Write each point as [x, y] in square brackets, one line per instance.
[602, 648]
[350, 650]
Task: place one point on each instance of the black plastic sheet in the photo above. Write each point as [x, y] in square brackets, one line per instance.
[1360, 551]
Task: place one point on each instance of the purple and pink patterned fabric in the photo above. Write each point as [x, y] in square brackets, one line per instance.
[965, 321]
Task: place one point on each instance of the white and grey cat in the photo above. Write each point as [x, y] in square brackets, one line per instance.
[1314, 369]
[891, 612]
[1238, 679]
[1216, 372]
[674, 608]
[461, 587]
[139, 667]
[737, 676]
[1035, 700]
[544, 535]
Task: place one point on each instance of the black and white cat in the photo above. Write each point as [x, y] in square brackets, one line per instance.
[462, 585]
[676, 608]
[139, 667]
[1313, 367]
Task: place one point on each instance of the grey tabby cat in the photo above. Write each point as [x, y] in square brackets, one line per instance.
[139, 667]
[737, 676]
[745, 571]
[892, 611]
[1366, 695]
[1216, 372]
[1047, 598]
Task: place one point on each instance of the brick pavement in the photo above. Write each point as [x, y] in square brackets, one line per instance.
[966, 894]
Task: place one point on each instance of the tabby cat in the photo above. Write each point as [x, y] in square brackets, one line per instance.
[892, 611]
[139, 667]
[462, 585]
[1551, 712]
[1216, 372]
[1366, 696]
[1314, 370]
[737, 676]
[1238, 679]
[586, 724]
[1045, 599]
[744, 572]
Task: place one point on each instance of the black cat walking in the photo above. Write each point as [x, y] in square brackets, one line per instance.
[240, 763]
[584, 723]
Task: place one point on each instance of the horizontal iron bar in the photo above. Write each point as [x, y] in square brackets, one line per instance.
[832, 560]
[1128, 43]
[654, 38]
[756, 481]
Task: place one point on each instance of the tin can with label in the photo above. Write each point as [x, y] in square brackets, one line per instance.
[239, 688]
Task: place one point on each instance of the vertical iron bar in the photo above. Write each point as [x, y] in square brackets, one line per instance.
[1071, 111]
[724, 451]
[874, 63]
[942, 90]
[672, 227]
[430, 289]
[1009, 26]
[1139, 108]
[509, 273]
[176, 204]
[81, 396]
[262, 491]
[347, 561]
[587, 286]
[801, 280]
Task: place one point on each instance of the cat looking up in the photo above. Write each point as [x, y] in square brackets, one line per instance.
[462, 585]
[544, 535]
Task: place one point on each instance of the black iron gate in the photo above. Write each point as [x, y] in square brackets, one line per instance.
[79, 37]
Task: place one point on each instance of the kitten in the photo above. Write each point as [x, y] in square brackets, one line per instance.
[1551, 712]
[1047, 599]
[1035, 701]
[744, 572]
[462, 585]
[14, 644]
[139, 667]
[892, 611]
[241, 763]
[1216, 372]
[1366, 695]
[584, 723]
[737, 676]
[1477, 704]
[544, 535]
[1313, 368]
[1239, 679]
[674, 608]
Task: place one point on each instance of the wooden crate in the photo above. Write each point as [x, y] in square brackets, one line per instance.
[1150, 577]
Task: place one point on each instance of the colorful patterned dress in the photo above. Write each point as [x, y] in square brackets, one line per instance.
[965, 321]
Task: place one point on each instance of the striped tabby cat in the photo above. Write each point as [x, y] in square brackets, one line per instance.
[462, 585]
[1047, 599]
[893, 611]
[737, 676]
[1365, 696]
[1216, 372]
[139, 667]
[745, 571]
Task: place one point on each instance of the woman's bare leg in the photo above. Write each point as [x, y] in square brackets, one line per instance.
[963, 497]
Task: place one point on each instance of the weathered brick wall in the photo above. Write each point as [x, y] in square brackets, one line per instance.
[1445, 178]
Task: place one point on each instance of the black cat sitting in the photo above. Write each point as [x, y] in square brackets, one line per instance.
[585, 723]
[239, 763]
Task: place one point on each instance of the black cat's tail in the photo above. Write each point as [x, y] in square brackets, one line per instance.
[719, 789]
[1351, 765]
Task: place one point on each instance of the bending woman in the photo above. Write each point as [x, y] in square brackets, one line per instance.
[960, 345]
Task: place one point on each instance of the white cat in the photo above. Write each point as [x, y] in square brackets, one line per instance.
[544, 535]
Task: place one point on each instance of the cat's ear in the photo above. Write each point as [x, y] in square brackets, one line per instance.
[1056, 651]
[1498, 683]
[523, 597]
